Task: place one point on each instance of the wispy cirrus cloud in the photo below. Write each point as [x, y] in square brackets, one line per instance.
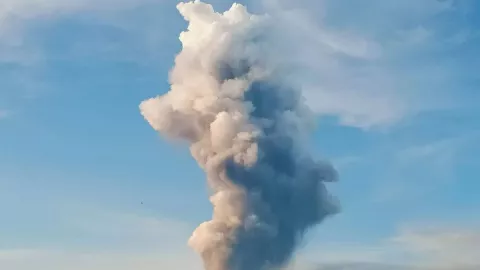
[81, 260]
[442, 247]
[416, 247]
[4, 114]
[371, 65]
[377, 63]
[27, 49]
[15, 10]
[18, 16]
[109, 240]
[413, 247]
[422, 168]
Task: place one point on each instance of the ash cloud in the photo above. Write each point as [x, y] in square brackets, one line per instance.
[246, 127]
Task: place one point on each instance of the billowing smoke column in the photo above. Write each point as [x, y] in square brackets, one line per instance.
[245, 126]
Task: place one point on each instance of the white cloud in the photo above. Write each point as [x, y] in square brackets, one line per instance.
[24, 26]
[125, 241]
[412, 248]
[362, 96]
[414, 37]
[77, 260]
[16, 16]
[135, 230]
[440, 153]
[419, 169]
[420, 248]
[350, 70]
[449, 248]
[4, 114]
[360, 61]
[28, 9]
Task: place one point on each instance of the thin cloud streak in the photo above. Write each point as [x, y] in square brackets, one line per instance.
[369, 74]
[123, 241]
[412, 248]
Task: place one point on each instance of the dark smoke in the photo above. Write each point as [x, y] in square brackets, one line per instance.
[286, 193]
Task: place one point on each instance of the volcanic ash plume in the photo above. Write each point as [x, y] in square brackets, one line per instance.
[245, 126]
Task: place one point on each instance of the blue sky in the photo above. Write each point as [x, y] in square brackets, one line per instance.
[394, 85]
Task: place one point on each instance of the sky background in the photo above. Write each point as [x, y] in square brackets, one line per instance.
[86, 183]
